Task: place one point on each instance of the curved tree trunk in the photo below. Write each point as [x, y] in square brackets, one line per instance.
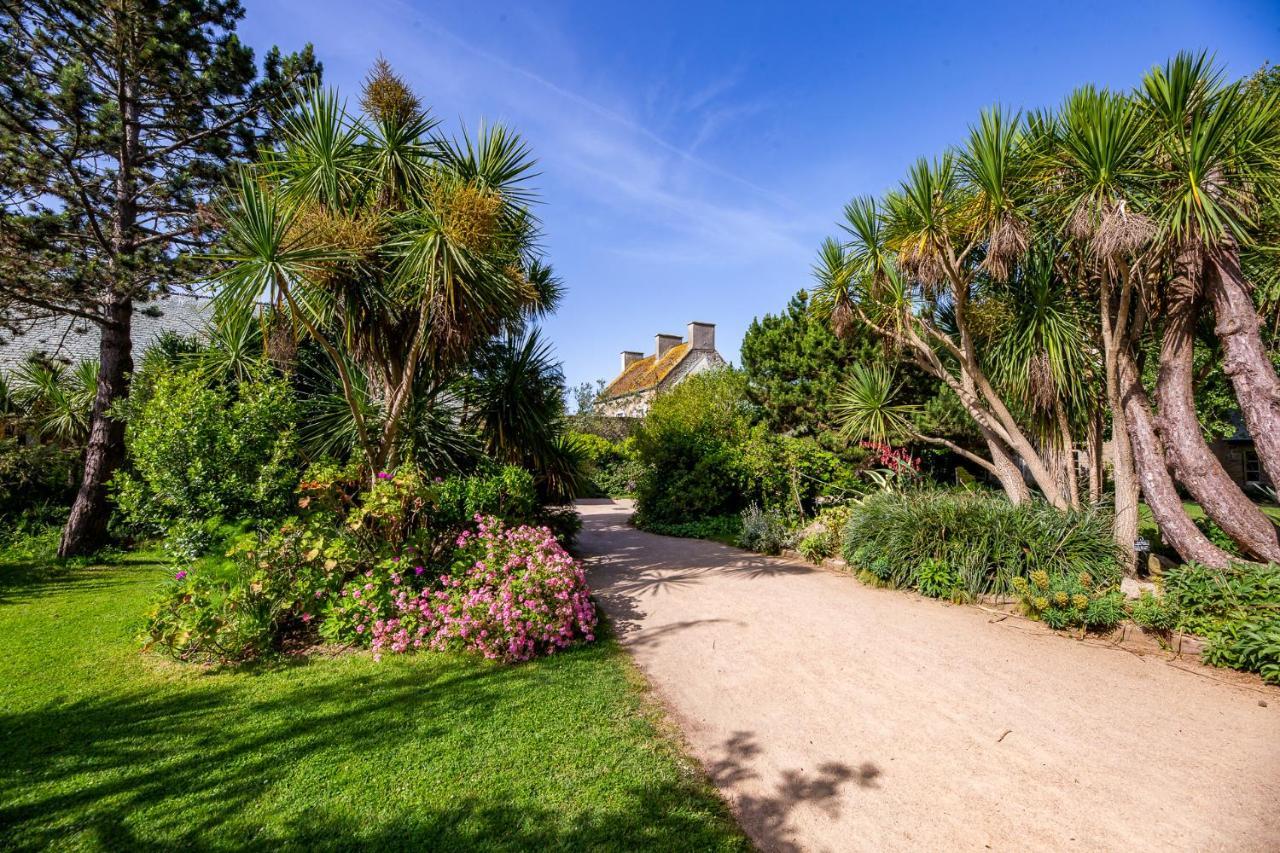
[1187, 452]
[1176, 527]
[1007, 471]
[86, 526]
[1245, 358]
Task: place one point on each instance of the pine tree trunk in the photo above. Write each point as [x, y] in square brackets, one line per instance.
[1176, 527]
[1245, 358]
[86, 526]
[1188, 454]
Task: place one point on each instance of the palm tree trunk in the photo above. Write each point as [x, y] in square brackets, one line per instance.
[1176, 527]
[86, 526]
[1246, 360]
[1006, 470]
[1070, 476]
[1188, 454]
[1114, 328]
[1093, 449]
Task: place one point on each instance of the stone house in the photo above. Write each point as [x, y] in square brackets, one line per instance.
[643, 376]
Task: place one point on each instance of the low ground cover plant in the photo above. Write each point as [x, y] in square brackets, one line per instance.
[1236, 610]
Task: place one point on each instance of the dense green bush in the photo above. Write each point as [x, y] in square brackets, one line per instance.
[611, 467]
[1252, 645]
[200, 450]
[701, 456]
[34, 473]
[985, 540]
[689, 445]
[720, 528]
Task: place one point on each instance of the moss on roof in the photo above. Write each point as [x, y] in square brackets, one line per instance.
[646, 373]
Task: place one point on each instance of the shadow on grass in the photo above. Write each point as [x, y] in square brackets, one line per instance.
[329, 765]
[27, 577]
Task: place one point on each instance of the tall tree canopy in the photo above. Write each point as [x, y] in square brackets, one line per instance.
[119, 120]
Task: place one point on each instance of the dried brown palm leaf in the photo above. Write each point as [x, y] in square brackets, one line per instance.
[1121, 232]
[842, 317]
[1007, 242]
[1042, 389]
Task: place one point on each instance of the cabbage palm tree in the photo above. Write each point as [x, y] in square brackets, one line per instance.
[1096, 179]
[396, 249]
[953, 226]
[1208, 172]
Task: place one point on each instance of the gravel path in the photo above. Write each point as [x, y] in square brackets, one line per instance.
[835, 716]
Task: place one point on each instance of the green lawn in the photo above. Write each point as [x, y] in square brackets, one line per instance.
[102, 747]
[1147, 523]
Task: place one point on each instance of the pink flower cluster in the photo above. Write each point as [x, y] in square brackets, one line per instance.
[514, 594]
[897, 460]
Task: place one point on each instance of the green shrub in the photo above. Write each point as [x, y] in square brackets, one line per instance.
[612, 469]
[936, 579]
[689, 445]
[36, 473]
[816, 547]
[764, 531]
[507, 492]
[200, 450]
[244, 608]
[1208, 599]
[1236, 610]
[1155, 612]
[1252, 645]
[1069, 600]
[721, 528]
[985, 540]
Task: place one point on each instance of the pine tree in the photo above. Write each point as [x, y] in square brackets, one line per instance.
[119, 119]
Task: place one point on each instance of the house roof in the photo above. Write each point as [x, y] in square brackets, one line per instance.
[645, 373]
[72, 339]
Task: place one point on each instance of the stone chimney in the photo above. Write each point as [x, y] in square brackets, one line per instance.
[702, 335]
[630, 357]
[662, 343]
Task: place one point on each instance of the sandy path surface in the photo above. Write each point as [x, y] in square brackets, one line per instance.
[835, 716]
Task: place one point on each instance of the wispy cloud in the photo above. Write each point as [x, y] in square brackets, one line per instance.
[608, 153]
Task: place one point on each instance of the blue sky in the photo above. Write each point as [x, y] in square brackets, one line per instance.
[693, 155]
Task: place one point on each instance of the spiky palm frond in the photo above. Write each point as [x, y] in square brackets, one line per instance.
[1217, 149]
[923, 219]
[866, 405]
[1097, 179]
[994, 166]
[56, 400]
[515, 398]
[1042, 352]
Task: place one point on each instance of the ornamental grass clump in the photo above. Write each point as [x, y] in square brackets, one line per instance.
[985, 540]
[513, 594]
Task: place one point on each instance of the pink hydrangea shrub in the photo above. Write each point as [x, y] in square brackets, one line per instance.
[514, 594]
